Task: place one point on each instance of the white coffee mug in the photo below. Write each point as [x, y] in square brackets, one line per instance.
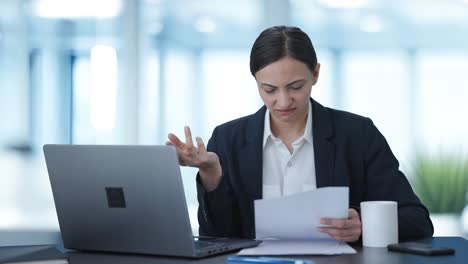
[379, 223]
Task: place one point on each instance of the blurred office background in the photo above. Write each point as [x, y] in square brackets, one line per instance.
[130, 71]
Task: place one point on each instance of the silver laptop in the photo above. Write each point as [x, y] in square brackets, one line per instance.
[126, 199]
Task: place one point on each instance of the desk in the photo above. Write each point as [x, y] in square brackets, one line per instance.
[364, 256]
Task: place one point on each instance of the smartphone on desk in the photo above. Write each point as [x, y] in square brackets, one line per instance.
[420, 249]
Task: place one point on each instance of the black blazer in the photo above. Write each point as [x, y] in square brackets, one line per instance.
[349, 151]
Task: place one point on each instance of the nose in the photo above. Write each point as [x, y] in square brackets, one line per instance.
[283, 100]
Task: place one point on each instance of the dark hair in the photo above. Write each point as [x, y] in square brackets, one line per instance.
[277, 42]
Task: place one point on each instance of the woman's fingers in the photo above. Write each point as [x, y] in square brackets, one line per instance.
[336, 223]
[188, 137]
[200, 145]
[174, 140]
[347, 230]
[353, 214]
[189, 155]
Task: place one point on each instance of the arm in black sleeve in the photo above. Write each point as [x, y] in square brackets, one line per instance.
[386, 182]
[218, 212]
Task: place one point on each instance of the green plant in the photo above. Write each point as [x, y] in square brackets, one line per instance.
[441, 181]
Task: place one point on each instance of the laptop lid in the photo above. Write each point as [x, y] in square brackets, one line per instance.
[120, 198]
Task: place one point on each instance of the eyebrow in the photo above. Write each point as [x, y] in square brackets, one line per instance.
[289, 84]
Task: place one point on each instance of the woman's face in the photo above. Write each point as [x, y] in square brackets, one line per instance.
[285, 87]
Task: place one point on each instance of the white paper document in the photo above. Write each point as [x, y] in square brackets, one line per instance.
[299, 247]
[293, 223]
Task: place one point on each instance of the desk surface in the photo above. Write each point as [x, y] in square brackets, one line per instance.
[364, 255]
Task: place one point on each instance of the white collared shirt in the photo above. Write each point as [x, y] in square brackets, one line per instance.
[285, 173]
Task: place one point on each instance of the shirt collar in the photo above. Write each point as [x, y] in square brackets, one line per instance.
[267, 128]
[307, 131]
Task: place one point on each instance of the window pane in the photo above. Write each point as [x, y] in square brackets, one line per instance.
[442, 101]
[149, 98]
[82, 129]
[323, 90]
[376, 86]
[179, 91]
[94, 97]
[231, 91]
[179, 112]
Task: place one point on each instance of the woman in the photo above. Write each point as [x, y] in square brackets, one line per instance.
[294, 144]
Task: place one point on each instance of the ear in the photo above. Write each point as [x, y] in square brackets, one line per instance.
[316, 73]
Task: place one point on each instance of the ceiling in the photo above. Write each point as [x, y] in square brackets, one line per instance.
[220, 23]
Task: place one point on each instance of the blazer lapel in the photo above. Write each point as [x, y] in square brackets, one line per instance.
[251, 155]
[324, 148]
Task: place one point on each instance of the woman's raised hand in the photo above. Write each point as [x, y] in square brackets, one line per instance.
[189, 155]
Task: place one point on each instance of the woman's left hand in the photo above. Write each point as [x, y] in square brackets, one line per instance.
[347, 230]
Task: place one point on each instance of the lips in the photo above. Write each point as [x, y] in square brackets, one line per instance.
[285, 111]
